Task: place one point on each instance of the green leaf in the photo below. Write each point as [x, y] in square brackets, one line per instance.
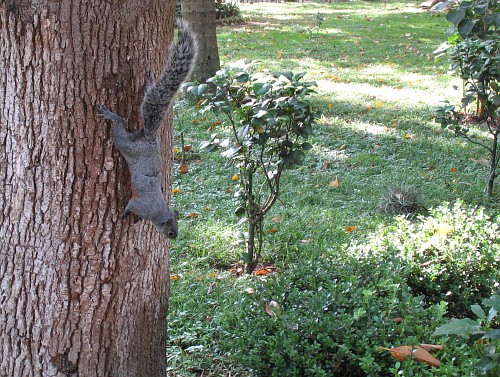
[492, 314]
[493, 334]
[485, 364]
[199, 89]
[478, 311]
[208, 146]
[455, 326]
[456, 15]
[465, 27]
[493, 302]
[243, 132]
[240, 211]
[246, 257]
[261, 88]
[242, 76]
[306, 146]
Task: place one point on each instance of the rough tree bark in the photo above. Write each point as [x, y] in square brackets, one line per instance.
[201, 15]
[83, 291]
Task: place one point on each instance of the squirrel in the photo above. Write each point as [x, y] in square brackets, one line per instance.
[141, 149]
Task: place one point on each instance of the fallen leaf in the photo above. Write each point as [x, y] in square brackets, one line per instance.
[378, 104]
[420, 354]
[279, 53]
[262, 272]
[326, 164]
[192, 215]
[187, 148]
[431, 347]
[249, 291]
[175, 150]
[330, 105]
[397, 320]
[410, 136]
[277, 219]
[335, 183]
[235, 177]
[183, 169]
[269, 310]
[342, 147]
[176, 190]
[350, 228]
[453, 170]
[272, 230]
[175, 277]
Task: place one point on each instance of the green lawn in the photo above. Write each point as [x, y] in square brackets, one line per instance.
[377, 80]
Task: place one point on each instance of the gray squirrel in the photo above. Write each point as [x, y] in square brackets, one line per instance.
[141, 149]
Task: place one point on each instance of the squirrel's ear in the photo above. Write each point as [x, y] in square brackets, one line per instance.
[176, 213]
[169, 221]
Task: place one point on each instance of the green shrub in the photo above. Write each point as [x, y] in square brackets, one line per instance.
[453, 255]
[227, 11]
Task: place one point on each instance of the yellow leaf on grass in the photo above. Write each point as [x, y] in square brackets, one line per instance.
[420, 354]
[272, 230]
[279, 53]
[235, 177]
[330, 105]
[192, 215]
[378, 104]
[350, 228]
[175, 277]
[176, 190]
[335, 183]
[176, 150]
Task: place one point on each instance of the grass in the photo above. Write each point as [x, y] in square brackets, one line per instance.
[377, 80]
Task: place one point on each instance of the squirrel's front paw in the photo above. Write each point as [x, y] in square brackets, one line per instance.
[104, 113]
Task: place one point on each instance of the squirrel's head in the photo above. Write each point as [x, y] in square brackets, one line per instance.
[169, 227]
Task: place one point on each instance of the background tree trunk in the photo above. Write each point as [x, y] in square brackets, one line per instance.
[201, 15]
[83, 292]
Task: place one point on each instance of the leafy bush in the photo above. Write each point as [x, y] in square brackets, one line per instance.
[453, 255]
[328, 316]
[270, 119]
[227, 11]
[473, 50]
[483, 334]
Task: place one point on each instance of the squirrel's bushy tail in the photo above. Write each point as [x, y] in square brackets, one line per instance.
[159, 96]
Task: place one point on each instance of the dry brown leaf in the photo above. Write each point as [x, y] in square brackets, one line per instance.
[183, 169]
[431, 347]
[249, 291]
[187, 148]
[401, 353]
[269, 310]
[335, 183]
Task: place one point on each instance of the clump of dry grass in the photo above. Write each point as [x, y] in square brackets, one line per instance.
[402, 200]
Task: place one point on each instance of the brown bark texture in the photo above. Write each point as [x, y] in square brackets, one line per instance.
[83, 291]
[201, 15]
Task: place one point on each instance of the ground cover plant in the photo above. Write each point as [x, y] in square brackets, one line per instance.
[340, 276]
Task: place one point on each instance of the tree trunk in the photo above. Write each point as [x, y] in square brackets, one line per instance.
[201, 15]
[83, 291]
